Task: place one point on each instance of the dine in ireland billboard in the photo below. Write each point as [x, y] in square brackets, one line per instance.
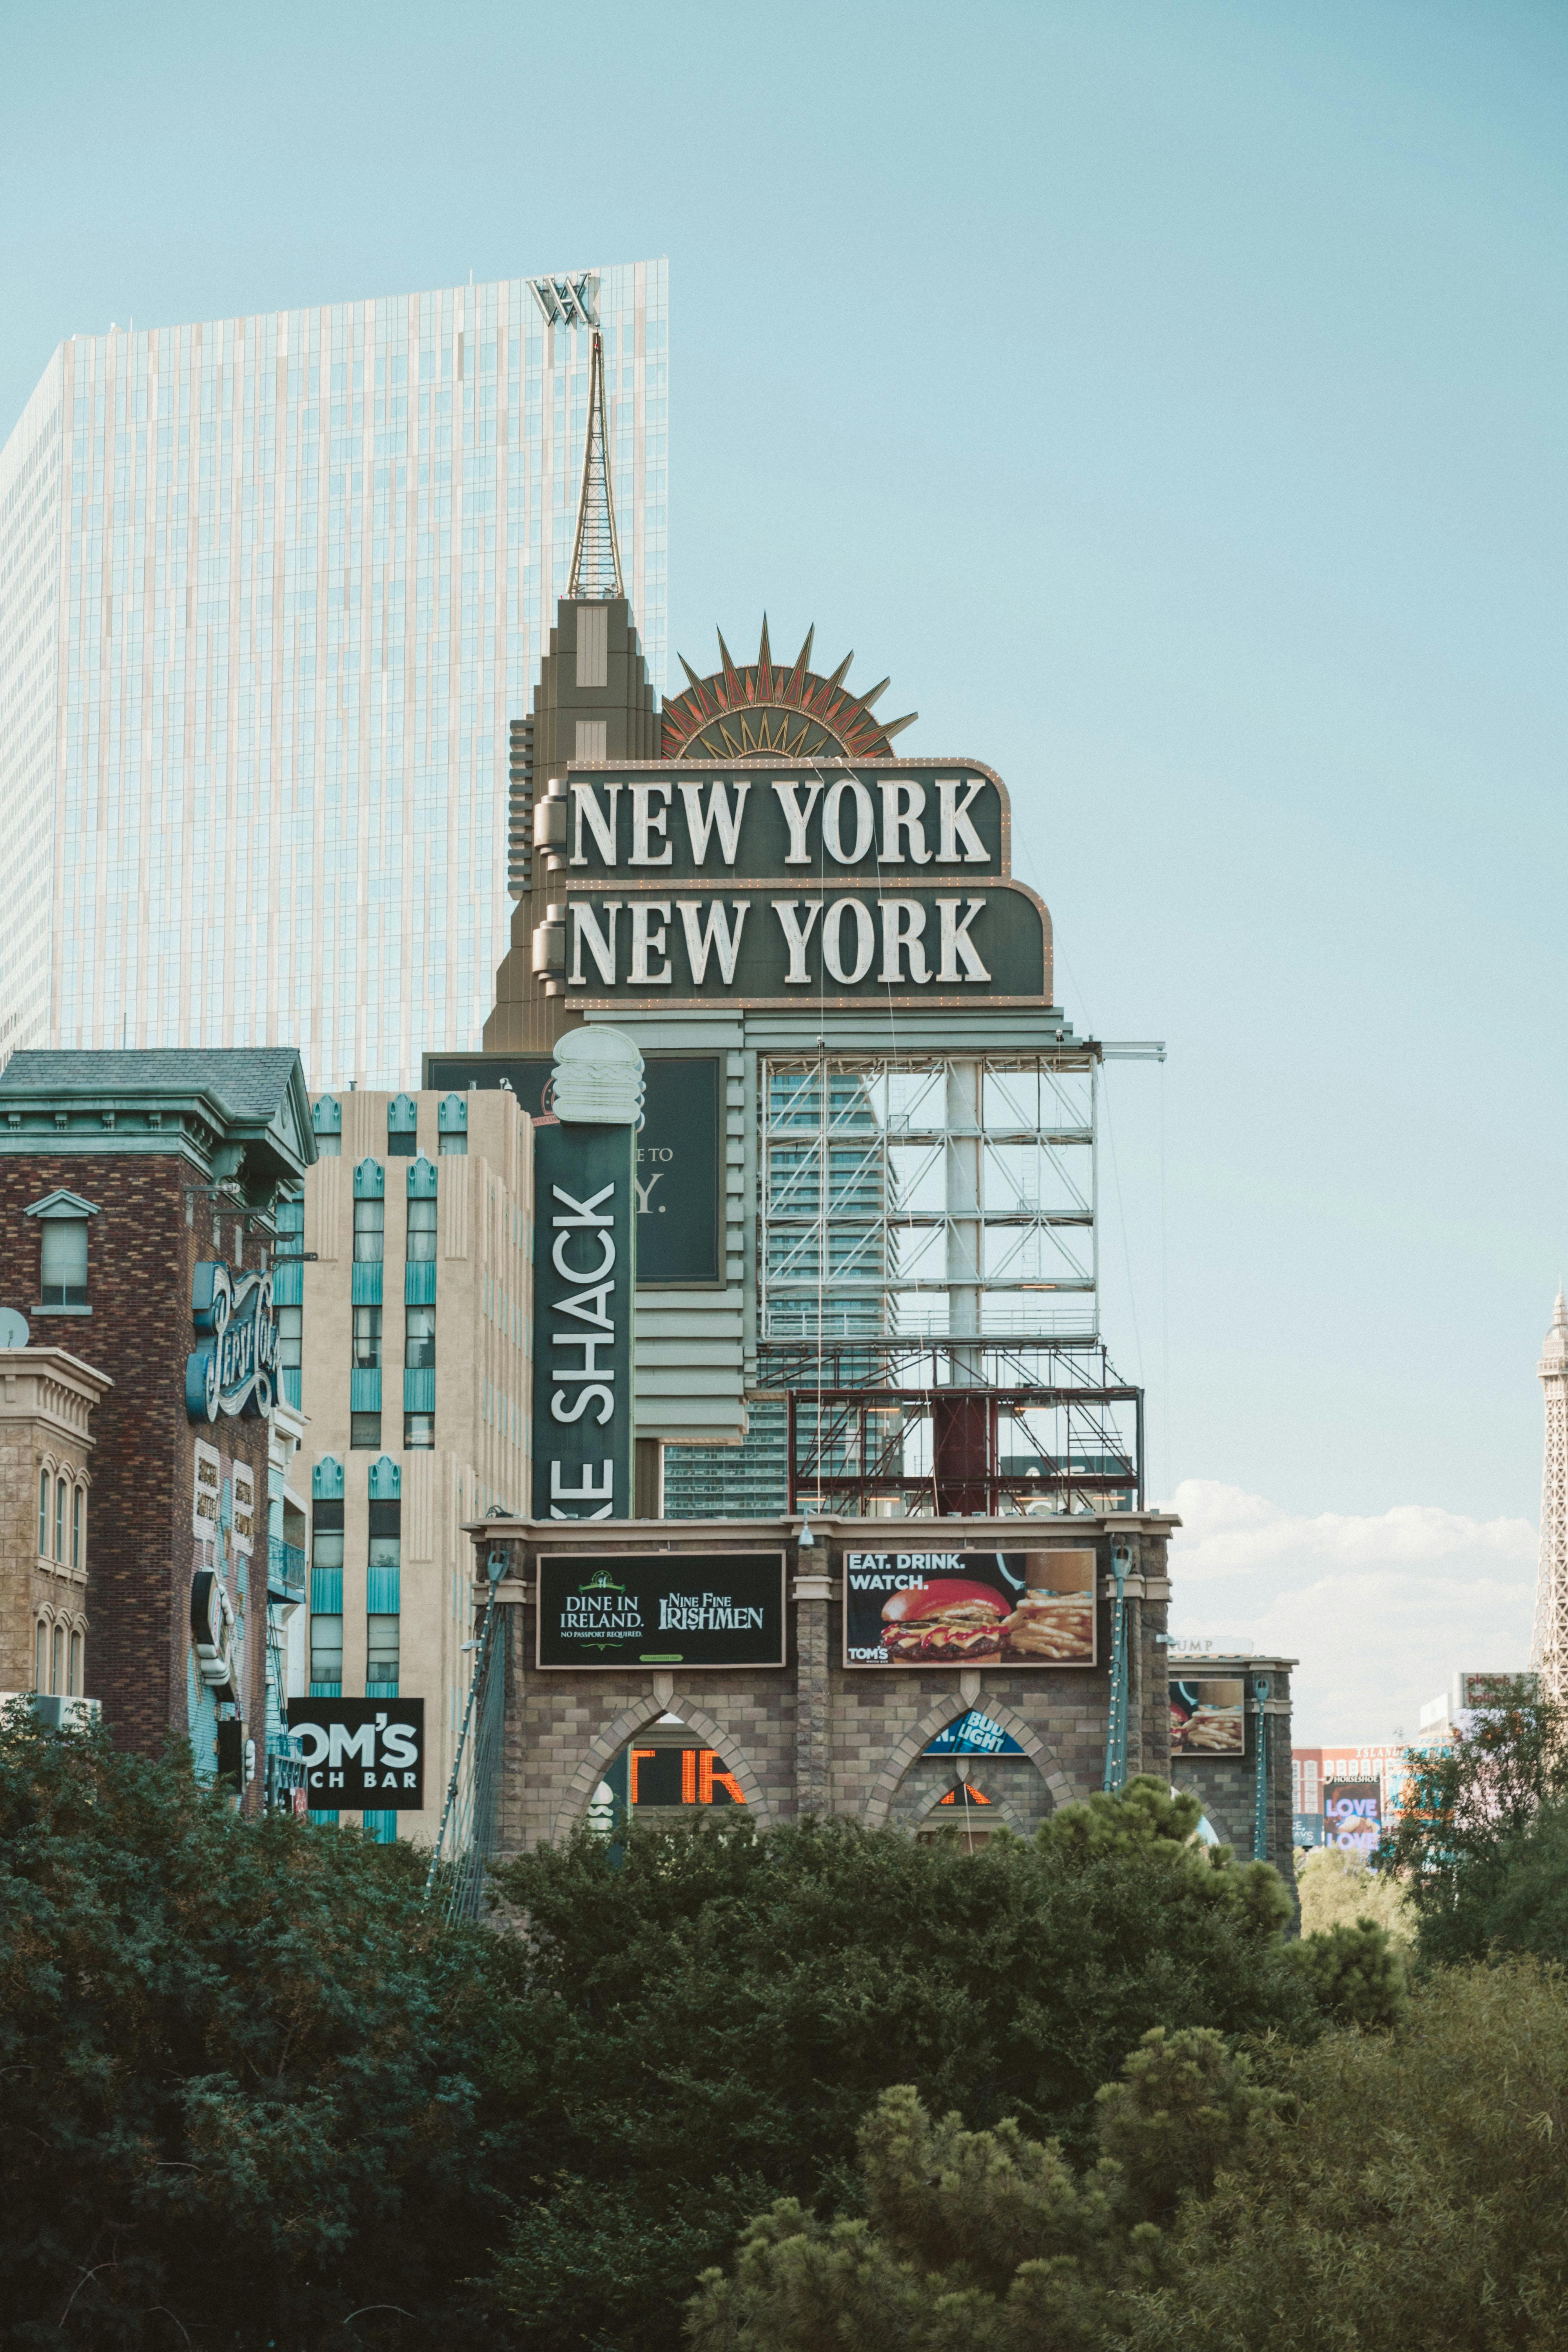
[661, 1609]
[1025, 1608]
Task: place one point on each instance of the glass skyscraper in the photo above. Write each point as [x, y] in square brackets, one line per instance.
[270, 591]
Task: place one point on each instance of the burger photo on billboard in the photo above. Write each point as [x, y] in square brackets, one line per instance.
[971, 1608]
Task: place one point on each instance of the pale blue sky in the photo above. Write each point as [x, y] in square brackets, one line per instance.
[1171, 397]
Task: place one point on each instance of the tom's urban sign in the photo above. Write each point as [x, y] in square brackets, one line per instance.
[837, 882]
[661, 1609]
[362, 1753]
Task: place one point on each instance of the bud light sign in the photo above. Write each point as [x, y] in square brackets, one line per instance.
[362, 1753]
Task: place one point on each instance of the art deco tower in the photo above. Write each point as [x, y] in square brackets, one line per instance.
[1550, 1654]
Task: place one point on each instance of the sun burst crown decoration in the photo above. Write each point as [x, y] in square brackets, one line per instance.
[762, 710]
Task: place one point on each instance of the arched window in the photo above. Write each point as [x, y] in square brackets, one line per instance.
[452, 1126]
[57, 1681]
[76, 1666]
[62, 1491]
[41, 1658]
[327, 1119]
[43, 1516]
[78, 1527]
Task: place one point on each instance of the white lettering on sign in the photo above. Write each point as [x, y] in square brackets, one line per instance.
[594, 1381]
[846, 974]
[600, 944]
[601, 822]
[648, 939]
[797, 818]
[703, 939]
[700, 823]
[650, 814]
[711, 929]
[832, 822]
[954, 820]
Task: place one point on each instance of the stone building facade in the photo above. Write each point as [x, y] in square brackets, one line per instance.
[817, 1736]
[158, 1163]
[1227, 1786]
[408, 1347]
[47, 1399]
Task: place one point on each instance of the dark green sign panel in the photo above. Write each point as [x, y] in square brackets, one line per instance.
[708, 822]
[678, 1151]
[584, 1282]
[661, 1609]
[770, 944]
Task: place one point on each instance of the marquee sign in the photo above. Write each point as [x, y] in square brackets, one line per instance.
[837, 883]
[767, 944]
[661, 1609]
[234, 1368]
[701, 821]
[362, 1752]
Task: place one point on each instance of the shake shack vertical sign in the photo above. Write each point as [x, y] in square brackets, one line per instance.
[585, 1277]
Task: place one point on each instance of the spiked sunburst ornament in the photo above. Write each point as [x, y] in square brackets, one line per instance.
[764, 712]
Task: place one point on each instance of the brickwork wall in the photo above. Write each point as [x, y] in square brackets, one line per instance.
[142, 1248]
[817, 1735]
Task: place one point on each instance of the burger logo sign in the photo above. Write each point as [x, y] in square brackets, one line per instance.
[970, 1608]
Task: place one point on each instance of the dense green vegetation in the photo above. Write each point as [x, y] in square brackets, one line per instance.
[253, 2095]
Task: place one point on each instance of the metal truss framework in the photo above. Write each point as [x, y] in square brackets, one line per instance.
[930, 1195]
[944, 1429]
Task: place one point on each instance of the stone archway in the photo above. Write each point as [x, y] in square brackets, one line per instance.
[602, 1751]
[946, 1710]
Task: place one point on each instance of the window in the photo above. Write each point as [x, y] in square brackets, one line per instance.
[291, 1338]
[58, 1681]
[78, 1527]
[61, 1492]
[367, 1337]
[64, 1270]
[401, 1127]
[421, 1232]
[327, 1119]
[381, 1654]
[452, 1126]
[76, 1666]
[369, 1231]
[419, 1337]
[43, 1518]
[326, 1656]
[418, 1431]
[364, 1428]
[41, 1658]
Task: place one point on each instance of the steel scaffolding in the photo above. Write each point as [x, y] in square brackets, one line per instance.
[928, 1283]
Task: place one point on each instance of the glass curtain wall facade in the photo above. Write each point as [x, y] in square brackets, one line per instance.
[271, 590]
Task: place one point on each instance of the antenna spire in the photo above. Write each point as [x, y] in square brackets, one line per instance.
[596, 556]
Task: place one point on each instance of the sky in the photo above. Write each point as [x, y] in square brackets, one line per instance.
[1170, 399]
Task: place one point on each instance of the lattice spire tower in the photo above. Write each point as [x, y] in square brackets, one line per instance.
[1550, 1656]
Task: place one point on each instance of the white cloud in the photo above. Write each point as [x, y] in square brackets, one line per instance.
[1380, 1610]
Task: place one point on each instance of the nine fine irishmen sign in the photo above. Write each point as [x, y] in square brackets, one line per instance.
[835, 883]
[661, 1609]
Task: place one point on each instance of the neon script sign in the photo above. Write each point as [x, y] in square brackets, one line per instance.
[234, 1367]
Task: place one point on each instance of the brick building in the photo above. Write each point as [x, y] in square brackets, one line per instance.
[47, 1399]
[136, 1199]
[1242, 1776]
